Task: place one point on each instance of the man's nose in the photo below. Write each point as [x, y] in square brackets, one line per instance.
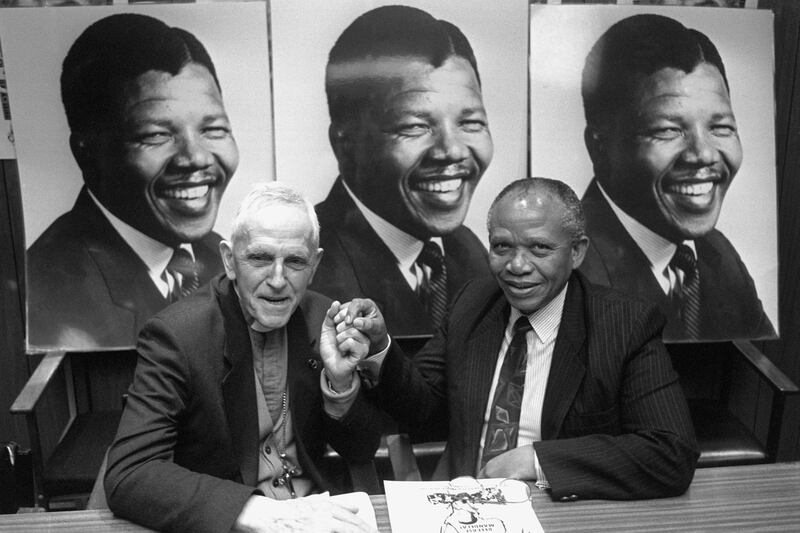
[701, 148]
[449, 144]
[520, 263]
[192, 152]
[277, 276]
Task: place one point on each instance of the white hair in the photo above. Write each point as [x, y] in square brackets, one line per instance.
[272, 193]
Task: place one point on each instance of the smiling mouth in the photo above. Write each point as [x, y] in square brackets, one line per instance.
[520, 287]
[186, 193]
[438, 186]
[691, 189]
[272, 300]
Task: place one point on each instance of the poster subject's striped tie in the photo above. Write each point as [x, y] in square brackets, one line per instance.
[689, 295]
[182, 263]
[434, 287]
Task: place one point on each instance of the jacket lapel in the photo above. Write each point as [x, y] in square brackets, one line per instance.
[129, 285]
[568, 367]
[238, 386]
[373, 264]
[479, 360]
[304, 365]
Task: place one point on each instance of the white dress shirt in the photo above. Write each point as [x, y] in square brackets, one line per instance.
[657, 249]
[154, 254]
[541, 340]
[404, 247]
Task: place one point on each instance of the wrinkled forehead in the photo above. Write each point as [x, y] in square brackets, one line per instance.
[274, 222]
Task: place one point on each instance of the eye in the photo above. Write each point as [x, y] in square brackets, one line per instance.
[473, 125]
[541, 249]
[665, 134]
[217, 132]
[723, 130]
[500, 248]
[412, 129]
[260, 259]
[296, 263]
[154, 138]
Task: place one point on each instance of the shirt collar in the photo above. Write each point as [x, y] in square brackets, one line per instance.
[546, 320]
[153, 253]
[404, 247]
[657, 249]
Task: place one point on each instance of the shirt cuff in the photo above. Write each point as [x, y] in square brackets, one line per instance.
[541, 479]
[370, 367]
[336, 404]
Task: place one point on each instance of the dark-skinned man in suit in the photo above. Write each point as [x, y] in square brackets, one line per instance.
[537, 374]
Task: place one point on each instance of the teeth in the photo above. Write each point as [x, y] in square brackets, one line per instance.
[190, 193]
[439, 186]
[694, 189]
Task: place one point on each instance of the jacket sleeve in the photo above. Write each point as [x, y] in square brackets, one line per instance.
[143, 483]
[645, 447]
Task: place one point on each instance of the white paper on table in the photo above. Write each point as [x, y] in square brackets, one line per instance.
[430, 506]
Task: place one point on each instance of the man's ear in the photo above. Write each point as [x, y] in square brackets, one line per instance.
[317, 259]
[597, 147]
[595, 144]
[341, 141]
[578, 251]
[81, 151]
[226, 252]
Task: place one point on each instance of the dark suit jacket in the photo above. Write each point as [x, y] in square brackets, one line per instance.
[186, 453]
[358, 264]
[614, 422]
[88, 289]
[731, 308]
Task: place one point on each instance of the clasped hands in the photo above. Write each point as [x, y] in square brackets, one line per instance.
[356, 330]
[350, 332]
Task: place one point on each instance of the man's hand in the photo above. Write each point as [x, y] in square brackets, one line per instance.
[365, 316]
[517, 463]
[342, 347]
[312, 513]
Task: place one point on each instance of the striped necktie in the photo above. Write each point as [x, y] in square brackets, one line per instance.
[687, 299]
[433, 290]
[182, 263]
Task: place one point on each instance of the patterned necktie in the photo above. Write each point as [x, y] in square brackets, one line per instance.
[503, 427]
[433, 289]
[188, 281]
[687, 300]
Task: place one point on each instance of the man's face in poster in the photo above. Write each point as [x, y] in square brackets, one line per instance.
[416, 155]
[672, 151]
[163, 163]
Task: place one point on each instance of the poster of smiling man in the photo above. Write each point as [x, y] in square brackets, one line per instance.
[662, 119]
[401, 123]
[137, 129]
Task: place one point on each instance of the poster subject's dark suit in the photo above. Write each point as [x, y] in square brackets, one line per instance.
[358, 264]
[730, 306]
[186, 453]
[88, 289]
[614, 422]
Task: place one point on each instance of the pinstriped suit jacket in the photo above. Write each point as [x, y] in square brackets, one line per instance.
[614, 422]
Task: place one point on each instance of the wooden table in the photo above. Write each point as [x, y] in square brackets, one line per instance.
[739, 498]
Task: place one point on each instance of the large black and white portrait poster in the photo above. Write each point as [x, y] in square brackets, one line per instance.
[154, 141]
[419, 143]
[666, 154]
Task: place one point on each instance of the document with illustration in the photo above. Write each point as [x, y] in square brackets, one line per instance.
[463, 505]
